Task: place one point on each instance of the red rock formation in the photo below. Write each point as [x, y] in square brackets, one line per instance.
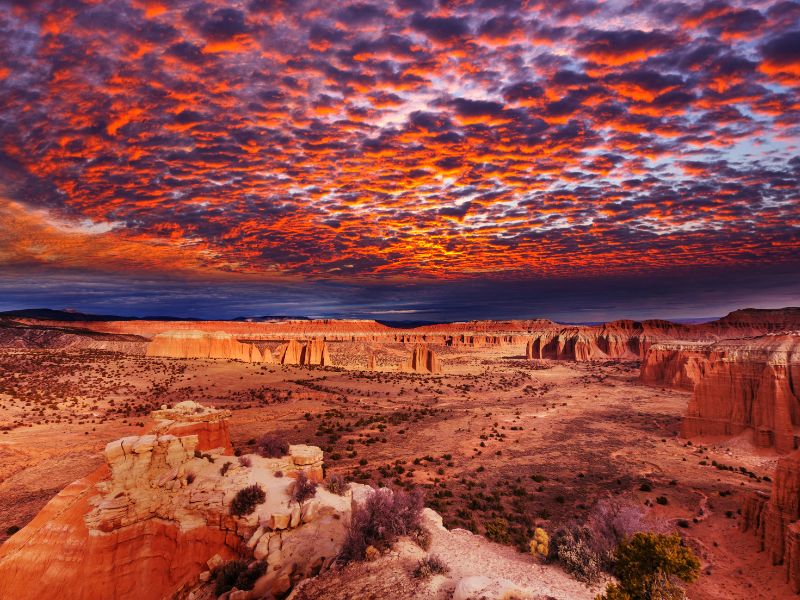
[749, 384]
[775, 520]
[200, 344]
[149, 522]
[423, 360]
[677, 365]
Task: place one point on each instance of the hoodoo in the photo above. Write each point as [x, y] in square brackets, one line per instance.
[290, 352]
[201, 344]
[314, 352]
[423, 360]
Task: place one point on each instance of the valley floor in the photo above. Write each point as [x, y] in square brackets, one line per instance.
[495, 437]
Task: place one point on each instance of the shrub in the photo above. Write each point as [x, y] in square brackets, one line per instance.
[610, 522]
[497, 531]
[652, 565]
[430, 565]
[336, 484]
[540, 544]
[246, 499]
[271, 446]
[422, 538]
[371, 553]
[303, 488]
[662, 500]
[384, 517]
[571, 547]
[245, 461]
[238, 574]
[224, 468]
[190, 478]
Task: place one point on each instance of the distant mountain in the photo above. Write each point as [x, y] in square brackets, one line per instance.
[408, 324]
[48, 314]
[271, 318]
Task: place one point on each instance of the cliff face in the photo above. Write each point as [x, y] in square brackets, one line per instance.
[313, 352]
[200, 344]
[749, 384]
[775, 520]
[422, 360]
[156, 516]
[677, 365]
[632, 339]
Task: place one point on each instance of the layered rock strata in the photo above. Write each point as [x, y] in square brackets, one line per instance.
[201, 344]
[749, 384]
[151, 522]
[775, 519]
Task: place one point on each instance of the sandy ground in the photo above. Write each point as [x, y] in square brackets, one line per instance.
[495, 437]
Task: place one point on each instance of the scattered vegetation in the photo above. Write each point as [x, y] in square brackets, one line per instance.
[246, 500]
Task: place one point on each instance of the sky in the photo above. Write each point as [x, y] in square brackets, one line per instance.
[415, 159]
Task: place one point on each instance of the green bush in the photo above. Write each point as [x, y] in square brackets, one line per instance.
[497, 531]
[651, 566]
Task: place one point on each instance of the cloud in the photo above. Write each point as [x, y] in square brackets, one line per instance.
[400, 141]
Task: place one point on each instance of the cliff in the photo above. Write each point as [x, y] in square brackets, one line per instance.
[313, 352]
[631, 340]
[201, 344]
[678, 365]
[775, 519]
[749, 384]
[151, 522]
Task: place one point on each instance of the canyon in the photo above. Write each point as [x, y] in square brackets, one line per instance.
[531, 422]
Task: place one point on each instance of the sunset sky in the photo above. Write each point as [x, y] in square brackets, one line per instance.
[415, 159]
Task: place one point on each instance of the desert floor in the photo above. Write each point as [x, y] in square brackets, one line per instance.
[496, 436]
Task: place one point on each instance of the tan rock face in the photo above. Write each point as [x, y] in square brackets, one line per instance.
[423, 360]
[313, 352]
[149, 522]
[201, 344]
[749, 384]
[776, 520]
